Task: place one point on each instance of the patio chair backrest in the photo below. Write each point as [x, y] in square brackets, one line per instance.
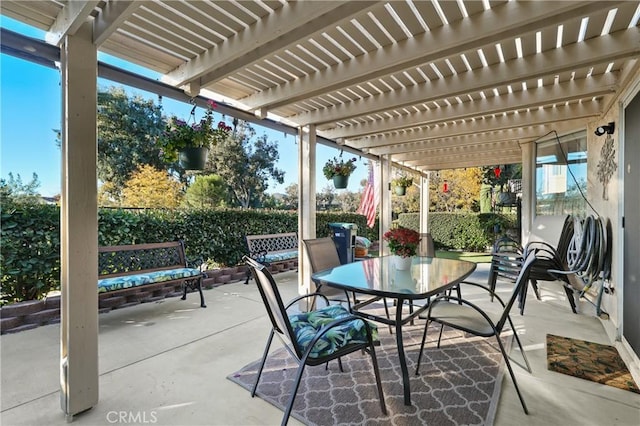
[518, 287]
[272, 301]
[426, 247]
[323, 254]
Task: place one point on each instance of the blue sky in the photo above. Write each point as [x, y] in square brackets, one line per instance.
[30, 105]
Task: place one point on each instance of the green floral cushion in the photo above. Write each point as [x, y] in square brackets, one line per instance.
[117, 283]
[306, 325]
[278, 257]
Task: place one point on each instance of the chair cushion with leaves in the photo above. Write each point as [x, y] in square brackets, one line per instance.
[279, 257]
[307, 324]
[127, 281]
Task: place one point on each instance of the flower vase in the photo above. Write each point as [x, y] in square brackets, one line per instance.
[193, 158]
[402, 263]
[340, 181]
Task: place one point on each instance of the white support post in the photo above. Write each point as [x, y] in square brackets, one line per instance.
[424, 203]
[306, 202]
[385, 201]
[79, 225]
[528, 187]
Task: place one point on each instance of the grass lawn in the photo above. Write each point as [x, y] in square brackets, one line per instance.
[465, 255]
[462, 255]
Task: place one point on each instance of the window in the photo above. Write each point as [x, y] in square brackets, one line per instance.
[561, 175]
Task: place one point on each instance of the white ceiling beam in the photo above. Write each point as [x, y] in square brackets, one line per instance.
[69, 19]
[506, 21]
[519, 134]
[599, 50]
[485, 124]
[287, 26]
[488, 146]
[114, 13]
[547, 95]
[452, 160]
[460, 163]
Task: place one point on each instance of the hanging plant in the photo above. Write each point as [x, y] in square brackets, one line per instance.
[339, 167]
[180, 135]
[402, 181]
[339, 170]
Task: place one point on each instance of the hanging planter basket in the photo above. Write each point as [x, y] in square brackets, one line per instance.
[400, 190]
[193, 158]
[340, 181]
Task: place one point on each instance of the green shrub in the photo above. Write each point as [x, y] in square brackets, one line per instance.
[31, 238]
[30, 251]
[461, 231]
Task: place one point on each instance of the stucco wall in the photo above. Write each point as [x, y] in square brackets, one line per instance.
[610, 209]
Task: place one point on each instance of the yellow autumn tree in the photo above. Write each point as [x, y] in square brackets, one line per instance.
[462, 190]
[152, 188]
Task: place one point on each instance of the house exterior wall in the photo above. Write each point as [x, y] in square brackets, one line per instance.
[612, 209]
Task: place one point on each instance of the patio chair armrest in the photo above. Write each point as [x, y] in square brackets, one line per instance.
[304, 296]
[492, 293]
[462, 302]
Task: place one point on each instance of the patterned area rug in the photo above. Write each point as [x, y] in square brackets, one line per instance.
[590, 361]
[459, 384]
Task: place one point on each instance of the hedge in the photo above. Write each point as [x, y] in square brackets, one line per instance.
[30, 251]
[463, 231]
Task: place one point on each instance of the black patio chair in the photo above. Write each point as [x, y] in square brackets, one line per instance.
[463, 315]
[323, 254]
[310, 337]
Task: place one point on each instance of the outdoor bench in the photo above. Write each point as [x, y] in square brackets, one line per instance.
[272, 249]
[153, 265]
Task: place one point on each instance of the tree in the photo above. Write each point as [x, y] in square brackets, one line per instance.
[128, 129]
[463, 190]
[290, 198]
[246, 164]
[349, 201]
[206, 191]
[152, 188]
[408, 203]
[13, 190]
[324, 199]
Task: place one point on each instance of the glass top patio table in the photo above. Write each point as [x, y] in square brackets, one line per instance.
[380, 278]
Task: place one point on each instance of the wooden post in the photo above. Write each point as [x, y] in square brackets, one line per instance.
[79, 225]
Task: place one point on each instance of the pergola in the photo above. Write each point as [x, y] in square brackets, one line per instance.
[423, 85]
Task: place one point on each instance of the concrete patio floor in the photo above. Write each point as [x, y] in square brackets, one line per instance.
[166, 363]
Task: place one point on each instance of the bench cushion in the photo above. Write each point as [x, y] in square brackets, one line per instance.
[127, 281]
[307, 324]
[279, 257]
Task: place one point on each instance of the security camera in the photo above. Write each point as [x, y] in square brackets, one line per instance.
[608, 129]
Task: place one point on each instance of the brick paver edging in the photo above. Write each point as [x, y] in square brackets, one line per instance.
[34, 313]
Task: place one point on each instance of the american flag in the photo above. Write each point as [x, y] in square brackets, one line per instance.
[369, 201]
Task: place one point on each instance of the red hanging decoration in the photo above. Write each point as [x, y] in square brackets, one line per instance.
[497, 171]
[445, 186]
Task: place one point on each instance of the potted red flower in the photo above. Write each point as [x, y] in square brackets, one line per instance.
[403, 243]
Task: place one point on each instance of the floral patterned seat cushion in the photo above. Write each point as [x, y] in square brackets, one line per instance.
[279, 257]
[118, 283]
[307, 324]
